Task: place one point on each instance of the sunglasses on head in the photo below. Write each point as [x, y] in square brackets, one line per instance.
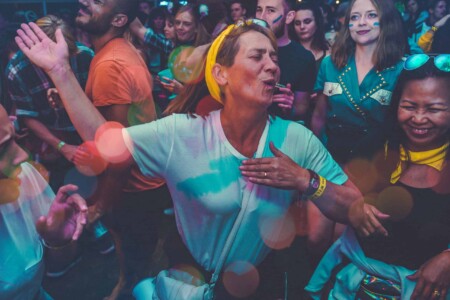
[259, 22]
[441, 61]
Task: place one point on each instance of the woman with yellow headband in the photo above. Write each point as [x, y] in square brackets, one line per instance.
[410, 181]
[232, 174]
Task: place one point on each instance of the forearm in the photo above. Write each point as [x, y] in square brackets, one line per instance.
[336, 201]
[84, 116]
[41, 131]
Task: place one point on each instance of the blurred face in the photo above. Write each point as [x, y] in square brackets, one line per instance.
[95, 16]
[185, 27]
[364, 23]
[255, 71]
[237, 12]
[273, 12]
[412, 6]
[169, 30]
[305, 25]
[424, 113]
[11, 155]
[145, 8]
[439, 10]
[159, 23]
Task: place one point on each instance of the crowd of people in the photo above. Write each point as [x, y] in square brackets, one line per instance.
[236, 137]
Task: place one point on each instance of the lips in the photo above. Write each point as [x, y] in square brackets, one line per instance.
[363, 32]
[83, 10]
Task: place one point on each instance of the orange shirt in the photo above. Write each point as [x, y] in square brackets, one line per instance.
[118, 75]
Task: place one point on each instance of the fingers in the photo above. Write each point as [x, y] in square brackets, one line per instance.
[419, 286]
[31, 34]
[27, 43]
[444, 292]
[64, 192]
[79, 204]
[59, 36]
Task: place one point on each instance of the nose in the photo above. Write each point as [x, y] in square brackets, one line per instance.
[270, 65]
[362, 21]
[84, 2]
[262, 15]
[419, 117]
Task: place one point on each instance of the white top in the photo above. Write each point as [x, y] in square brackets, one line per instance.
[202, 172]
[21, 266]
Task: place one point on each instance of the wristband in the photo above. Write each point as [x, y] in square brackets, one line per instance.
[316, 188]
[60, 145]
[46, 245]
[434, 28]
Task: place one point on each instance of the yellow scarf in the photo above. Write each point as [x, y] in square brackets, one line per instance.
[433, 158]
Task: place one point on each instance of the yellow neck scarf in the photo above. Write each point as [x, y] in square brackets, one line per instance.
[433, 158]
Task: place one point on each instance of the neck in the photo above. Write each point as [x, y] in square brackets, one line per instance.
[98, 42]
[307, 44]
[284, 39]
[243, 128]
[365, 53]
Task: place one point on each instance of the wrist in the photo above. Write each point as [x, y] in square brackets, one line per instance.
[60, 145]
[434, 29]
[56, 245]
[316, 186]
[60, 71]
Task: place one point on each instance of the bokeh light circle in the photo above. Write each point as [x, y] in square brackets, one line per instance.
[241, 279]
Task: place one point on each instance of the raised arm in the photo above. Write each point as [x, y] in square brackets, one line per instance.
[53, 58]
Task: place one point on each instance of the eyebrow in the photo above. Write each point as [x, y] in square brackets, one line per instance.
[430, 104]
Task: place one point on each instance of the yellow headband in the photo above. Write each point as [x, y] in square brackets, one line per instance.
[213, 87]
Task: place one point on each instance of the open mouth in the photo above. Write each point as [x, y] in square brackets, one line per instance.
[419, 131]
[363, 32]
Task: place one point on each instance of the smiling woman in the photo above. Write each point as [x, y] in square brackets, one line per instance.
[412, 176]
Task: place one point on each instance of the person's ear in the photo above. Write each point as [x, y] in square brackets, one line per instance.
[220, 74]
[119, 20]
[290, 17]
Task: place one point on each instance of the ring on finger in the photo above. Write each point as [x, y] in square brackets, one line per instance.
[436, 293]
[265, 174]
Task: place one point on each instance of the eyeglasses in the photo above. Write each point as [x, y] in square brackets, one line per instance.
[441, 61]
[259, 22]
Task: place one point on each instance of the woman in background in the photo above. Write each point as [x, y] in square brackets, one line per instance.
[410, 179]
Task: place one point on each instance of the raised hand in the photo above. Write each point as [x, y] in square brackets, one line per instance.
[41, 50]
[65, 219]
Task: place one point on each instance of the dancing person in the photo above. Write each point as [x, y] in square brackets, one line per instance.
[119, 86]
[409, 180]
[236, 157]
[53, 139]
[32, 221]
[354, 87]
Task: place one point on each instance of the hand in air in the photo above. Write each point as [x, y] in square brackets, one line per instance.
[41, 50]
[65, 219]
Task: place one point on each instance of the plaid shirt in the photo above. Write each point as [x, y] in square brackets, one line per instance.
[27, 87]
[158, 41]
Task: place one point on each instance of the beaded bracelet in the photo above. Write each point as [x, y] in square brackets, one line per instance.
[46, 245]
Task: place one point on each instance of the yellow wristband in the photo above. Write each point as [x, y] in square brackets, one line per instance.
[434, 28]
[320, 189]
